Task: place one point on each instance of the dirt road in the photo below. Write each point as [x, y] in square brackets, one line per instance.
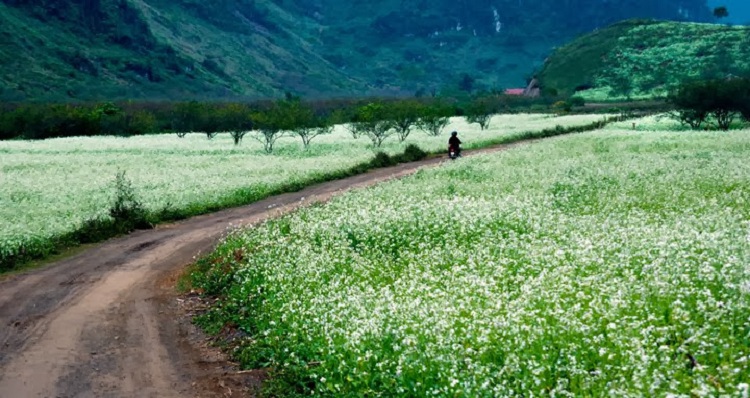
[108, 323]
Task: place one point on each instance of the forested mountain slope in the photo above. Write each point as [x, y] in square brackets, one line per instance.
[158, 49]
[647, 58]
[166, 49]
[432, 43]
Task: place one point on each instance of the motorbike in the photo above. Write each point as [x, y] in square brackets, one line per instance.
[453, 152]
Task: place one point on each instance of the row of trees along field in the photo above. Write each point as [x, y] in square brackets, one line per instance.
[376, 119]
[712, 103]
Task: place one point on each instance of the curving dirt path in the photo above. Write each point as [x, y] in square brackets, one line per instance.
[108, 323]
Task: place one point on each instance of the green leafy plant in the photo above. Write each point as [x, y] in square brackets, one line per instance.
[126, 210]
[481, 110]
[303, 122]
[721, 99]
[412, 153]
[577, 101]
[382, 159]
[562, 107]
[373, 121]
[721, 12]
[236, 119]
[405, 116]
[272, 124]
[434, 119]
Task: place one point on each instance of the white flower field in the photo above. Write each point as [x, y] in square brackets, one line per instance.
[51, 187]
[611, 263]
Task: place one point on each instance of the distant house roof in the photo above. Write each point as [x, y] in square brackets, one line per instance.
[515, 91]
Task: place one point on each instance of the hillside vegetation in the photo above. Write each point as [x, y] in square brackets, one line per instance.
[428, 45]
[647, 58]
[159, 49]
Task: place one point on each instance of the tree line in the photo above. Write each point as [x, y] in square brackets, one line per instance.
[712, 104]
[267, 121]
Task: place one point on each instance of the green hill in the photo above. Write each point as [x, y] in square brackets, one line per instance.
[646, 58]
[419, 44]
[176, 49]
[158, 49]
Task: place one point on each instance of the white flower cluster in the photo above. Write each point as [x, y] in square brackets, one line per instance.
[50, 187]
[611, 263]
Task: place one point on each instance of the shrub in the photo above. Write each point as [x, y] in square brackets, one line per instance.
[413, 153]
[540, 108]
[577, 101]
[562, 107]
[382, 159]
[126, 210]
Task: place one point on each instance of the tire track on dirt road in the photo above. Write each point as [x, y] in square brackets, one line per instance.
[104, 323]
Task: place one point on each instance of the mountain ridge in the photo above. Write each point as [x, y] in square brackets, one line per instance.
[157, 50]
[160, 49]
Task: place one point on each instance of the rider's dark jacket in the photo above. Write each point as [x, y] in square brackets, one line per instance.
[454, 142]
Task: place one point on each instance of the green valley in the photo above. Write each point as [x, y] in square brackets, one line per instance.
[56, 50]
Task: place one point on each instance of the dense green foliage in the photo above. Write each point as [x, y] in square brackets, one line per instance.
[188, 49]
[56, 120]
[720, 101]
[375, 118]
[647, 58]
[39, 121]
[158, 49]
[467, 45]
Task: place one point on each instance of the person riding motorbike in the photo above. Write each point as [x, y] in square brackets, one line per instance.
[454, 144]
